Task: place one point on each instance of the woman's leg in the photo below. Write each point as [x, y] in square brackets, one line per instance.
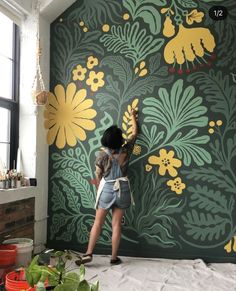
[117, 215]
[96, 229]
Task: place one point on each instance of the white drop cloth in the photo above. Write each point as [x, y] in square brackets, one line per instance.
[140, 274]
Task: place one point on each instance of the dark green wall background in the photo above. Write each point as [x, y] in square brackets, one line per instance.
[177, 66]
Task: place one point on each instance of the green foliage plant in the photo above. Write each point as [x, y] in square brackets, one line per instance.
[57, 276]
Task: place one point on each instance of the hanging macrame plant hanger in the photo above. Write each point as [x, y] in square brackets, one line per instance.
[39, 93]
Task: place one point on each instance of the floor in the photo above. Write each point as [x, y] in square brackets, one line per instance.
[139, 274]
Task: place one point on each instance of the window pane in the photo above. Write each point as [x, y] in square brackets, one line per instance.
[5, 154]
[5, 116]
[5, 77]
[6, 35]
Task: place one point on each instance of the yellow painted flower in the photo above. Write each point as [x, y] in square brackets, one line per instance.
[95, 80]
[137, 150]
[211, 130]
[92, 62]
[126, 16]
[219, 122]
[85, 29]
[68, 114]
[166, 162]
[189, 44]
[105, 28]
[194, 15]
[148, 167]
[212, 123]
[79, 73]
[176, 185]
[231, 245]
[81, 23]
[141, 69]
[169, 28]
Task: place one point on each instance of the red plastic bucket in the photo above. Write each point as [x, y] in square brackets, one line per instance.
[15, 281]
[7, 255]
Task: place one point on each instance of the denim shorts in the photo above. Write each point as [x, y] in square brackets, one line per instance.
[119, 199]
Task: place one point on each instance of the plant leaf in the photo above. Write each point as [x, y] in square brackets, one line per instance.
[81, 187]
[105, 122]
[201, 226]
[176, 110]
[213, 176]
[208, 200]
[188, 148]
[131, 41]
[187, 3]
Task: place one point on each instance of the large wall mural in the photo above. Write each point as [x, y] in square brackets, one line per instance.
[176, 65]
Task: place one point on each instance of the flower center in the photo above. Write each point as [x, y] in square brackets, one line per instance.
[95, 80]
[166, 162]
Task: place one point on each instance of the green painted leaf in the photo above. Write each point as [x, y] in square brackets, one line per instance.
[151, 16]
[120, 67]
[212, 176]
[218, 91]
[58, 199]
[208, 200]
[148, 11]
[149, 137]
[69, 232]
[231, 148]
[72, 197]
[208, 1]
[176, 110]
[201, 226]
[105, 122]
[82, 232]
[80, 185]
[188, 148]
[187, 3]
[58, 222]
[131, 41]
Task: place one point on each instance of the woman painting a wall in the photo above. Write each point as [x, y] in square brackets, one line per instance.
[175, 64]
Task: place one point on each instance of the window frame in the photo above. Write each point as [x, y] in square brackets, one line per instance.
[13, 104]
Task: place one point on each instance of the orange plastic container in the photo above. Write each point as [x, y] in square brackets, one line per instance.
[15, 281]
[7, 255]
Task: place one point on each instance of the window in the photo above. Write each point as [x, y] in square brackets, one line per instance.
[9, 91]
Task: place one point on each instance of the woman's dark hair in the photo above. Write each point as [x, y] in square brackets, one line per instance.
[112, 138]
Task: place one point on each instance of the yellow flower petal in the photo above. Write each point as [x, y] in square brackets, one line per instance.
[52, 133]
[52, 100]
[228, 246]
[154, 160]
[60, 93]
[134, 103]
[79, 132]
[79, 97]
[61, 138]
[85, 123]
[143, 72]
[88, 113]
[172, 171]
[70, 137]
[70, 92]
[83, 105]
[162, 170]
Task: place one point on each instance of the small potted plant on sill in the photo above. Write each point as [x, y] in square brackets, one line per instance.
[56, 277]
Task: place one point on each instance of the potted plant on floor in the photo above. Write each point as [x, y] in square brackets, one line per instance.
[56, 277]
